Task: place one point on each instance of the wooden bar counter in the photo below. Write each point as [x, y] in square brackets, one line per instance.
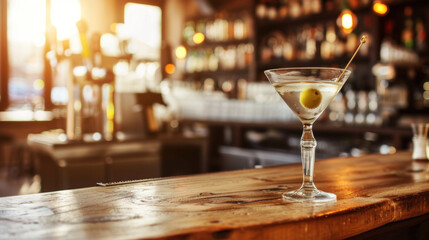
[372, 191]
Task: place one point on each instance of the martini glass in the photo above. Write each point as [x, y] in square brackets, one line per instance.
[307, 92]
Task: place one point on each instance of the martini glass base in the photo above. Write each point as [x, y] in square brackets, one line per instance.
[309, 195]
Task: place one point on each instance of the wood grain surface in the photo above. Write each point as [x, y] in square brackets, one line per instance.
[372, 190]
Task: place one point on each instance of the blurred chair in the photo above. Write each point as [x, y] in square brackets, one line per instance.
[22, 161]
[6, 141]
[184, 155]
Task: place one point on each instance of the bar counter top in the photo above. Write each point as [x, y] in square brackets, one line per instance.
[372, 191]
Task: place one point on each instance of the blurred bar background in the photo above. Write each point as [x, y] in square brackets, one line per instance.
[107, 90]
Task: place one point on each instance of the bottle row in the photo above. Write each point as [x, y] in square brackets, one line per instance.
[234, 98]
[377, 107]
[311, 42]
[356, 108]
[221, 28]
[232, 57]
[412, 28]
[260, 102]
[281, 9]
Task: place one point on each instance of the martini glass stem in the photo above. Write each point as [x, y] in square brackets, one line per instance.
[308, 146]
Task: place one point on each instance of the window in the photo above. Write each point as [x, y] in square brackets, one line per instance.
[144, 22]
[33, 32]
[23, 73]
[25, 41]
[141, 32]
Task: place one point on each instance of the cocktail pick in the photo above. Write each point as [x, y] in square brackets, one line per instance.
[362, 41]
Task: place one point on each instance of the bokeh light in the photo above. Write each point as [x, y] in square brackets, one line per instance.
[181, 52]
[170, 68]
[380, 8]
[38, 84]
[198, 38]
[347, 21]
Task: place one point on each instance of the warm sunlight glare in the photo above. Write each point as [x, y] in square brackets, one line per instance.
[145, 20]
[27, 25]
[64, 15]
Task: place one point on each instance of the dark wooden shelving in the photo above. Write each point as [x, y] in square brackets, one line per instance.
[399, 137]
[214, 44]
[291, 26]
[218, 73]
[312, 19]
[318, 126]
[324, 16]
[340, 62]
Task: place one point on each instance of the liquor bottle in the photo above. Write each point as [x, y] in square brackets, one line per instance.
[239, 29]
[362, 107]
[241, 89]
[420, 36]
[218, 29]
[276, 44]
[191, 61]
[201, 27]
[241, 56]
[337, 108]
[283, 9]
[354, 4]
[306, 7]
[329, 5]
[351, 43]
[272, 10]
[426, 90]
[311, 47]
[295, 9]
[199, 60]
[301, 40]
[373, 117]
[231, 57]
[206, 60]
[222, 25]
[210, 30]
[407, 33]
[364, 2]
[319, 35]
[349, 117]
[261, 9]
[388, 28]
[289, 48]
[265, 51]
[249, 54]
[188, 32]
[327, 46]
[316, 6]
[213, 61]
[231, 32]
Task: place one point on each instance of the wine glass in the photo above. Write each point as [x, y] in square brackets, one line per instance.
[308, 91]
